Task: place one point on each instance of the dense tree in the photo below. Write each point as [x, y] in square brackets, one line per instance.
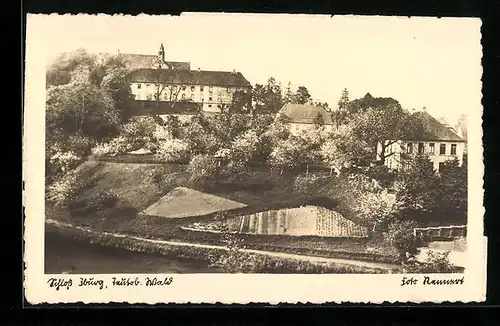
[241, 103]
[418, 189]
[288, 154]
[340, 115]
[302, 96]
[368, 101]
[319, 121]
[343, 149]
[288, 96]
[87, 94]
[267, 98]
[80, 107]
[453, 188]
[383, 126]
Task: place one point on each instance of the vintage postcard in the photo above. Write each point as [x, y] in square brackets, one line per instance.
[244, 158]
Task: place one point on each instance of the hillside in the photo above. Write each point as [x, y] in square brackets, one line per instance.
[137, 186]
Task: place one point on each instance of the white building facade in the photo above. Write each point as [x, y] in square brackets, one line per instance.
[153, 80]
[212, 98]
[302, 117]
[438, 151]
[439, 142]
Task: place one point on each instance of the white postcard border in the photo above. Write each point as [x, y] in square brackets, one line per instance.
[228, 288]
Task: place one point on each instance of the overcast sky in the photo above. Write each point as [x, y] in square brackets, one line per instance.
[428, 62]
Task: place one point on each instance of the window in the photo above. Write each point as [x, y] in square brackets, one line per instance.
[210, 105]
[139, 86]
[441, 166]
[192, 97]
[149, 97]
[453, 149]
[183, 87]
[219, 99]
[432, 148]
[442, 149]
[421, 148]
[147, 85]
[183, 96]
[210, 98]
[210, 89]
[409, 148]
[165, 96]
[201, 88]
[192, 88]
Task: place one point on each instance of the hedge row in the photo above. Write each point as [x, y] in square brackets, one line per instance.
[265, 264]
[135, 159]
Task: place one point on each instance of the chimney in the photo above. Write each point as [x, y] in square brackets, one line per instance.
[424, 109]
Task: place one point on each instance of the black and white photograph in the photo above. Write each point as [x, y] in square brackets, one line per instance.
[241, 144]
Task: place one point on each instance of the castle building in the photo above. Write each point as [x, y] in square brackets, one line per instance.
[173, 87]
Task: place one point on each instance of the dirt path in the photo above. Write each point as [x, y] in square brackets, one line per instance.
[386, 266]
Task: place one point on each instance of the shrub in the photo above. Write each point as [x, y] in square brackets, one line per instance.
[117, 146]
[97, 202]
[62, 162]
[173, 151]
[139, 127]
[64, 190]
[435, 262]
[203, 170]
[400, 236]
[80, 145]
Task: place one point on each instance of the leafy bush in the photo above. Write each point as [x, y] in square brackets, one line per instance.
[435, 262]
[80, 145]
[173, 151]
[64, 190]
[382, 174]
[117, 146]
[400, 236]
[203, 170]
[95, 203]
[62, 162]
[139, 127]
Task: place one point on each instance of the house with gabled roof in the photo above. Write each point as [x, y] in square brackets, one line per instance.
[438, 140]
[302, 117]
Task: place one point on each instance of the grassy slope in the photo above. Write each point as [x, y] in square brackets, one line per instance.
[139, 185]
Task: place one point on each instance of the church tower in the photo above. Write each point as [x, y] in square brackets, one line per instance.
[161, 58]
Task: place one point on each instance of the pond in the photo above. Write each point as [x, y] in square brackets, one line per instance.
[299, 221]
[74, 257]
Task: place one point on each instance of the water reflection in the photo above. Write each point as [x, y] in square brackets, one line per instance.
[72, 257]
[300, 221]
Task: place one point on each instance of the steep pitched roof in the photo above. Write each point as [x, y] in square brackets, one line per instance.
[144, 61]
[305, 114]
[435, 130]
[190, 77]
